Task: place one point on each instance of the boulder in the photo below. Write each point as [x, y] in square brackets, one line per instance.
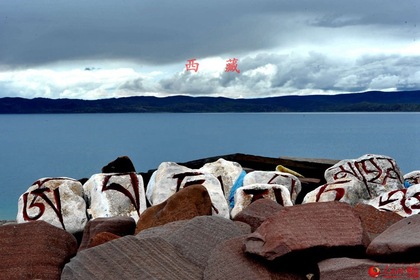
[308, 231]
[400, 242]
[183, 205]
[356, 269]
[131, 258]
[228, 261]
[120, 165]
[257, 212]
[196, 238]
[57, 201]
[115, 194]
[374, 222]
[288, 180]
[170, 177]
[227, 172]
[120, 226]
[35, 250]
[248, 194]
[377, 173]
[405, 202]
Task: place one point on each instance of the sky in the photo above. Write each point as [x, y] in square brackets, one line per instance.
[102, 49]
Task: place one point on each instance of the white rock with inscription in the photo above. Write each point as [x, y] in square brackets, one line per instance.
[288, 180]
[227, 172]
[343, 190]
[170, 177]
[405, 202]
[413, 178]
[245, 195]
[378, 173]
[57, 201]
[115, 194]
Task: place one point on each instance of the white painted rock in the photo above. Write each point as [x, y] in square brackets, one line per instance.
[413, 178]
[115, 194]
[227, 172]
[405, 202]
[57, 201]
[245, 195]
[378, 173]
[170, 177]
[290, 181]
[344, 190]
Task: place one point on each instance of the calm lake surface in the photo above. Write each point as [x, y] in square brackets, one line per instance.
[78, 145]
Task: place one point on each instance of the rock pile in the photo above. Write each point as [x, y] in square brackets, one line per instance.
[218, 222]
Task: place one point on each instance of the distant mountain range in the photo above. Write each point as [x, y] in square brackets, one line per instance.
[373, 101]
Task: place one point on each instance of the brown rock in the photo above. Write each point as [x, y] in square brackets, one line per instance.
[356, 269]
[131, 258]
[35, 250]
[120, 226]
[186, 204]
[257, 212]
[120, 165]
[400, 242]
[374, 221]
[228, 261]
[102, 238]
[309, 231]
[200, 235]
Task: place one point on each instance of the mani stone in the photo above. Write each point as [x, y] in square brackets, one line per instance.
[120, 165]
[343, 190]
[120, 226]
[35, 250]
[248, 194]
[170, 177]
[57, 201]
[257, 212]
[405, 202]
[377, 173]
[400, 242]
[131, 258]
[314, 230]
[413, 178]
[115, 194]
[228, 261]
[184, 205]
[288, 180]
[227, 172]
[374, 221]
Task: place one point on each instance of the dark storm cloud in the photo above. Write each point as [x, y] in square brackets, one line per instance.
[161, 32]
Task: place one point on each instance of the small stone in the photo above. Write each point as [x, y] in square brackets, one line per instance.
[257, 212]
[102, 238]
[120, 165]
[186, 204]
[120, 226]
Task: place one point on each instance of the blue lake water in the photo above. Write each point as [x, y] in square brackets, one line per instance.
[78, 145]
